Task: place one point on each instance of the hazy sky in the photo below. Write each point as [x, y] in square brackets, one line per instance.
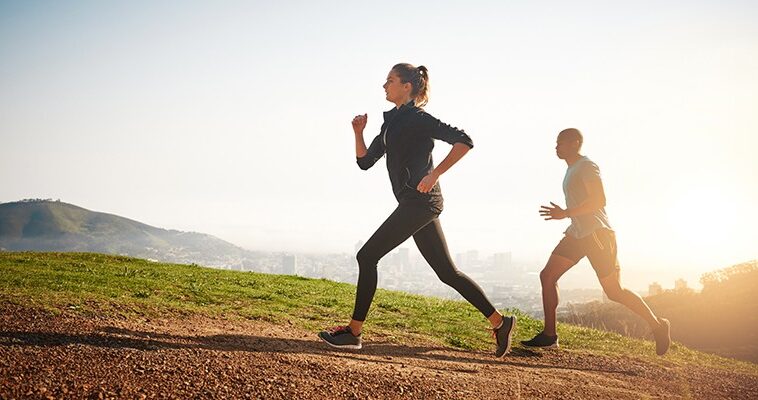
[233, 118]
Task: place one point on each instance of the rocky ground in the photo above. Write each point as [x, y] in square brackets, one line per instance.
[50, 356]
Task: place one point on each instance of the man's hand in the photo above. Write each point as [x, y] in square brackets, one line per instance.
[554, 212]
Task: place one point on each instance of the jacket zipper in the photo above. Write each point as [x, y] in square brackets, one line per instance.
[409, 178]
[387, 128]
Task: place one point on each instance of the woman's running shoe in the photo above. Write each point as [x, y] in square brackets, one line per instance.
[341, 337]
[503, 335]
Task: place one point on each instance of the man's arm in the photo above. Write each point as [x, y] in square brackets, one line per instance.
[595, 200]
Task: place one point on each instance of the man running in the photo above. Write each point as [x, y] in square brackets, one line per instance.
[589, 235]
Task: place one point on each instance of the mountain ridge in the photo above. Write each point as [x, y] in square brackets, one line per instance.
[47, 225]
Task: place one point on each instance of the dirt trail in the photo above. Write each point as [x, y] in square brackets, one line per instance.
[68, 356]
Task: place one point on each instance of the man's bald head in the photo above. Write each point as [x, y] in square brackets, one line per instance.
[571, 134]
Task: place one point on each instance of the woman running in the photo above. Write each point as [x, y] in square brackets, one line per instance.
[407, 138]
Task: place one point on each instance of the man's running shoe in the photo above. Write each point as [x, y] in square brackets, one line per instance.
[542, 341]
[503, 335]
[341, 337]
[662, 337]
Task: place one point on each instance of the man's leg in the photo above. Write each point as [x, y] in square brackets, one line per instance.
[564, 257]
[615, 292]
[556, 266]
[602, 252]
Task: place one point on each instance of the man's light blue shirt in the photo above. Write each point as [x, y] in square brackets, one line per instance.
[577, 176]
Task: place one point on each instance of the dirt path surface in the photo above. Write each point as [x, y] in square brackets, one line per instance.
[67, 356]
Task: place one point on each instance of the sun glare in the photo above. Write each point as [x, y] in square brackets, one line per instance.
[707, 219]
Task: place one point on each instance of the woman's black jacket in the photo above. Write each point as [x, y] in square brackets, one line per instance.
[407, 138]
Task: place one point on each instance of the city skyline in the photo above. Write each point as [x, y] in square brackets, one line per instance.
[580, 277]
[509, 285]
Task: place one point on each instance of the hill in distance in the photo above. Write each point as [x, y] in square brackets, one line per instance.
[46, 225]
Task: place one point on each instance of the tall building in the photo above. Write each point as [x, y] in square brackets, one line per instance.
[468, 259]
[472, 257]
[654, 289]
[502, 260]
[403, 258]
[289, 264]
[680, 284]
[460, 260]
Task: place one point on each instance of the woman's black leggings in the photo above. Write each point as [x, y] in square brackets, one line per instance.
[423, 224]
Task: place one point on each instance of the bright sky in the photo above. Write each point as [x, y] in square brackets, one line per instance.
[233, 118]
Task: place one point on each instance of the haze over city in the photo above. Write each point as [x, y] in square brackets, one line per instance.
[233, 119]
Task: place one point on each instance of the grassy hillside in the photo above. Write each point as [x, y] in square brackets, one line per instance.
[28, 219]
[93, 284]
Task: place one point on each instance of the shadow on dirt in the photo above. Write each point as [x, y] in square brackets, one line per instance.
[378, 352]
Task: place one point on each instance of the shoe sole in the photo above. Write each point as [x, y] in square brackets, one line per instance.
[553, 346]
[510, 336]
[342, 346]
[668, 338]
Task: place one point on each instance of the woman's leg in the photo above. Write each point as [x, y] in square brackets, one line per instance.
[431, 242]
[399, 226]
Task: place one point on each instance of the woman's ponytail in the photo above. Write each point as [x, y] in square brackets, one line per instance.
[422, 97]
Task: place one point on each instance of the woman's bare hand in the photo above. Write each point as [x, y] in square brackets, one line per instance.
[359, 123]
[428, 182]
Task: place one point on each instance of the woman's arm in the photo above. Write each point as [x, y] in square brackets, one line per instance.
[439, 130]
[359, 124]
[366, 158]
[456, 153]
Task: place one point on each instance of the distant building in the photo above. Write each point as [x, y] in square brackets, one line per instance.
[654, 289]
[502, 260]
[289, 264]
[472, 257]
[403, 258]
[468, 259]
[680, 284]
[460, 260]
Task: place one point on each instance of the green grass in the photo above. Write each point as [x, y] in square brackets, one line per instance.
[92, 284]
